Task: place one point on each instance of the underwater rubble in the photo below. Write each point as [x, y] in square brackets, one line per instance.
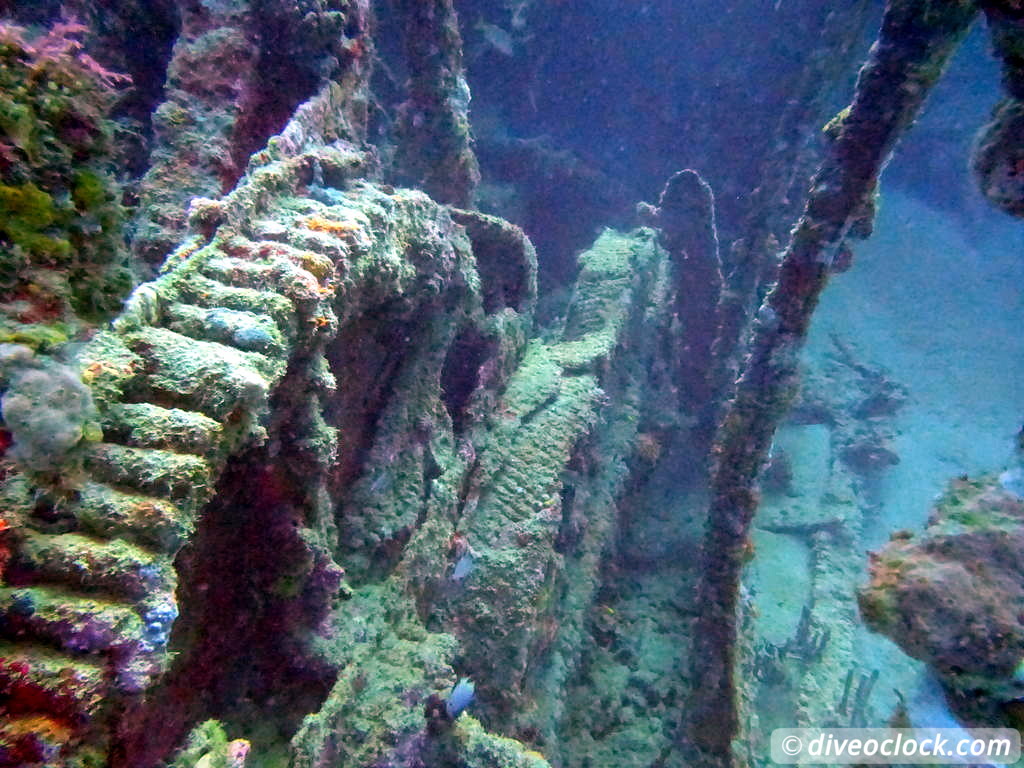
[952, 596]
[308, 461]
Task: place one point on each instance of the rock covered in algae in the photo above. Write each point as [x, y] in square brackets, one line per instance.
[62, 254]
[236, 72]
[954, 595]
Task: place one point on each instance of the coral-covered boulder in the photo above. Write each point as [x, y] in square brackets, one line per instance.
[954, 596]
[62, 253]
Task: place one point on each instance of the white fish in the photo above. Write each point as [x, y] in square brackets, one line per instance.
[497, 38]
[463, 567]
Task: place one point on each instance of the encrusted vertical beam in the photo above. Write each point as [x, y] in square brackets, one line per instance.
[1006, 22]
[752, 261]
[916, 40]
[686, 217]
[210, 66]
[999, 148]
[435, 150]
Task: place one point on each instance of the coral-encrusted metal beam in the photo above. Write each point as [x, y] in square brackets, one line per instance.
[182, 381]
[435, 149]
[915, 42]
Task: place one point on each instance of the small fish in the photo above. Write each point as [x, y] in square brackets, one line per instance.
[463, 567]
[381, 483]
[1018, 672]
[460, 698]
[497, 38]
[1012, 481]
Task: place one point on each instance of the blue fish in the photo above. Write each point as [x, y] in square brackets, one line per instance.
[463, 567]
[460, 698]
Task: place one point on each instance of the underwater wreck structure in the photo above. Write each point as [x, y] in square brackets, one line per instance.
[324, 464]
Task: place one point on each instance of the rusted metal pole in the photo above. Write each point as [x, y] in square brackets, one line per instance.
[916, 40]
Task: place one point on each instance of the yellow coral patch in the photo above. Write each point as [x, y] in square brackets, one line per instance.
[330, 226]
[50, 729]
[316, 264]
